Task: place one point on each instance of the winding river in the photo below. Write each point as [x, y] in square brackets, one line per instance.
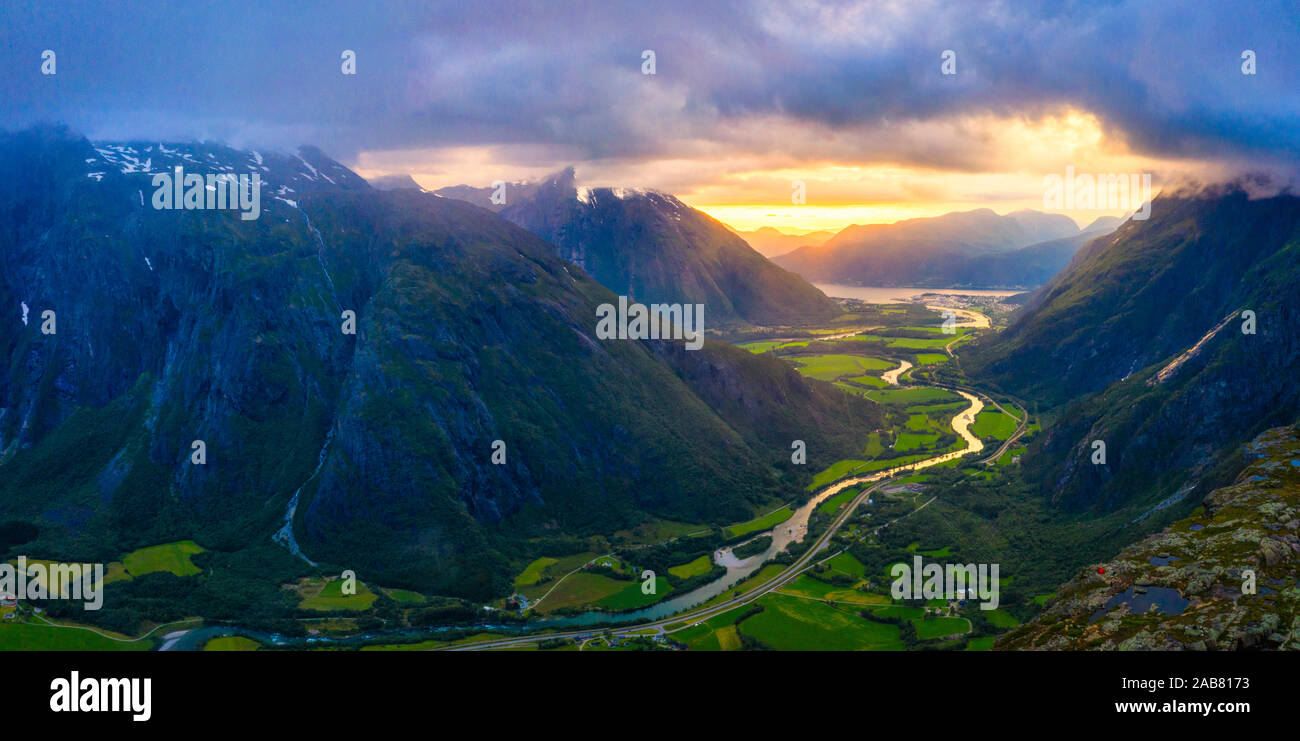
[791, 531]
[891, 377]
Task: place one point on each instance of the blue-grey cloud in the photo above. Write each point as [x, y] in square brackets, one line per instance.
[1166, 76]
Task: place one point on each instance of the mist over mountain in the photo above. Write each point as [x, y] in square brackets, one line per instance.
[1143, 343]
[1104, 225]
[1026, 267]
[948, 250]
[394, 182]
[374, 448]
[651, 246]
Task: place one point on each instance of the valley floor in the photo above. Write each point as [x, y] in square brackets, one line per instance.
[813, 572]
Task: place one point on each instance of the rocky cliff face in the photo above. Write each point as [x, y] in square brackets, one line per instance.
[176, 326]
[1190, 586]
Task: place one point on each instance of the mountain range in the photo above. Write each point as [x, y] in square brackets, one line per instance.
[371, 451]
[138, 335]
[770, 242]
[969, 249]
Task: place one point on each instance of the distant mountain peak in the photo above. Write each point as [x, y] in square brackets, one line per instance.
[309, 169]
[1104, 224]
[938, 250]
[649, 245]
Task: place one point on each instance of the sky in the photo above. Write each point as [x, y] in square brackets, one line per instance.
[749, 103]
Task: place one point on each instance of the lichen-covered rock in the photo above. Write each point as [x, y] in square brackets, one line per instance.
[1236, 568]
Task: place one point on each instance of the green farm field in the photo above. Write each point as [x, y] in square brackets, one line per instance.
[759, 524]
[533, 572]
[994, 424]
[330, 597]
[231, 643]
[795, 624]
[808, 587]
[169, 557]
[631, 597]
[911, 396]
[38, 637]
[939, 627]
[689, 569]
[830, 367]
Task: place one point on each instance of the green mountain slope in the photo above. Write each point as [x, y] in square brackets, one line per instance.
[1140, 344]
[176, 326]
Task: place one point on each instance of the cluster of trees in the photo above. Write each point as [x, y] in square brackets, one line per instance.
[753, 547]
[660, 557]
[15, 533]
[449, 611]
[663, 556]
[823, 573]
[163, 597]
[748, 642]
[907, 631]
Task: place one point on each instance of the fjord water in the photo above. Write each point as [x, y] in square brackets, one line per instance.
[899, 294]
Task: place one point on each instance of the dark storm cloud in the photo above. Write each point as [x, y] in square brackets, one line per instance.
[1165, 76]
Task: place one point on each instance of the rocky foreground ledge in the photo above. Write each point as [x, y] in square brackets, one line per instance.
[1189, 587]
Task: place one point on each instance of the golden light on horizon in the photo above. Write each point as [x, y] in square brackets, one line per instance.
[904, 170]
[793, 219]
[1016, 155]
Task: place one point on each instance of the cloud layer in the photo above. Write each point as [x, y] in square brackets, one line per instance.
[741, 88]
